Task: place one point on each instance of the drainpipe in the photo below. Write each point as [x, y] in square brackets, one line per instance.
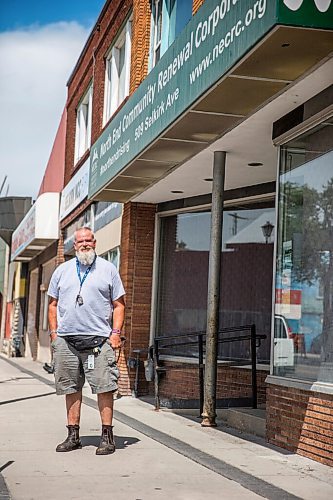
[213, 299]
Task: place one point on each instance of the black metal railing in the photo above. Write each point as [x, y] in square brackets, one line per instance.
[248, 333]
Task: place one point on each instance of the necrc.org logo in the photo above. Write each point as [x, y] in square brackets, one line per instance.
[322, 5]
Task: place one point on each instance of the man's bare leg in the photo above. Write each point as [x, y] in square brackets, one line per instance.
[73, 407]
[105, 405]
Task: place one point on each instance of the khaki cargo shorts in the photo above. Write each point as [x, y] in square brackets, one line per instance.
[71, 368]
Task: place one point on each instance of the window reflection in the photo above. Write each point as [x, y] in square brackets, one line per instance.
[246, 280]
[304, 278]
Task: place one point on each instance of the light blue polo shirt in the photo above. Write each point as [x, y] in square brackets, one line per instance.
[101, 286]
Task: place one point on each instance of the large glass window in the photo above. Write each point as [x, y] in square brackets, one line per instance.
[303, 338]
[246, 279]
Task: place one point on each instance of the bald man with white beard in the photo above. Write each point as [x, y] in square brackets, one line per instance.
[86, 316]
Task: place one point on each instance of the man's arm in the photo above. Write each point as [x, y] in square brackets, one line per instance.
[117, 321]
[53, 317]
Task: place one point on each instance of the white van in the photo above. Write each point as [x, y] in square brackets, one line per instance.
[283, 353]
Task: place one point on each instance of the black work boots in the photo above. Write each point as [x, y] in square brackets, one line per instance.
[72, 442]
[107, 444]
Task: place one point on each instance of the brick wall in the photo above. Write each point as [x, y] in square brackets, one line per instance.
[92, 66]
[181, 381]
[136, 265]
[301, 422]
[140, 42]
[60, 257]
[196, 5]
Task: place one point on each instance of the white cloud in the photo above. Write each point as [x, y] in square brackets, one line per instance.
[35, 66]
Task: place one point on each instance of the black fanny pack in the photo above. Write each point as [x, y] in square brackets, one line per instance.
[85, 342]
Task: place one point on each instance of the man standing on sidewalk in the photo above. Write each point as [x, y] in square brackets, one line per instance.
[86, 295]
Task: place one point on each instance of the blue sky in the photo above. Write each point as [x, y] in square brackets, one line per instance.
[15, 14]
[40, 42]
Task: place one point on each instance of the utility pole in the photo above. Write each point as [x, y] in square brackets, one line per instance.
[213, 299]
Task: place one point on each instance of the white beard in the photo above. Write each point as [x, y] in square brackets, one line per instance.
[86, 258]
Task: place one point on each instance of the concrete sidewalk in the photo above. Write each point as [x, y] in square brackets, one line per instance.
[159, 455]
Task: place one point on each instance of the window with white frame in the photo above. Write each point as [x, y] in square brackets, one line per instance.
[83, 125]
[117, 72]
[168, 18]
[156, 31]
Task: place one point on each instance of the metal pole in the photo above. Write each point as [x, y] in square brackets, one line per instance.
[156, 380]
[254, 367]
[213, 299]
[201, 372]
[136, 381]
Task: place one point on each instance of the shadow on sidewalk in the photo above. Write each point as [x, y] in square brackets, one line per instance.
[26, 398]
[192, 417]
[122, 442]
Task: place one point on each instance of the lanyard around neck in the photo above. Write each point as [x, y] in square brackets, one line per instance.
[87, 271]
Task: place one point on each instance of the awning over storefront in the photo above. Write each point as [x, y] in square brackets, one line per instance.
[12, 211]
[232, 58]
[38, 229]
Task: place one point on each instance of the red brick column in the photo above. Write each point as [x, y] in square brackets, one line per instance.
[60, 257]
[140, 42]
[301, 422]
[136, 266]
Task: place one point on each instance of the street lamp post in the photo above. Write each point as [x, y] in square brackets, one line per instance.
[267, 230]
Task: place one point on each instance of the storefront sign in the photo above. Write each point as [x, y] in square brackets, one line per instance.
[38, 229]
[311, 13]
[219, 35]
[215, 38]
[75, 191]
[24, 234]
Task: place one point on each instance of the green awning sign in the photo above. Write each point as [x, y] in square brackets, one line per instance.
[219, 35]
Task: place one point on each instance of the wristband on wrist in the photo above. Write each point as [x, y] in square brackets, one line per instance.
[115, 331]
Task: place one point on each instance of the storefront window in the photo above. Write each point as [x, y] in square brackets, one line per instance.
[303, 337]
[112, 256]
[105, 212]
[246, 279]
[84, 220]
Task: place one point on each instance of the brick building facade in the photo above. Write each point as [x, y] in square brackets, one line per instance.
[136, 247]
[245, 101]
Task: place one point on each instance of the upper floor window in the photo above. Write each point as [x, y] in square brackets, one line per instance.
[168, 18]
[117, 73]
[83, 125]
[156, 31]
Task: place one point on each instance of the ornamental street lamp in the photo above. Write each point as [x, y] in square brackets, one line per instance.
[267, 230]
